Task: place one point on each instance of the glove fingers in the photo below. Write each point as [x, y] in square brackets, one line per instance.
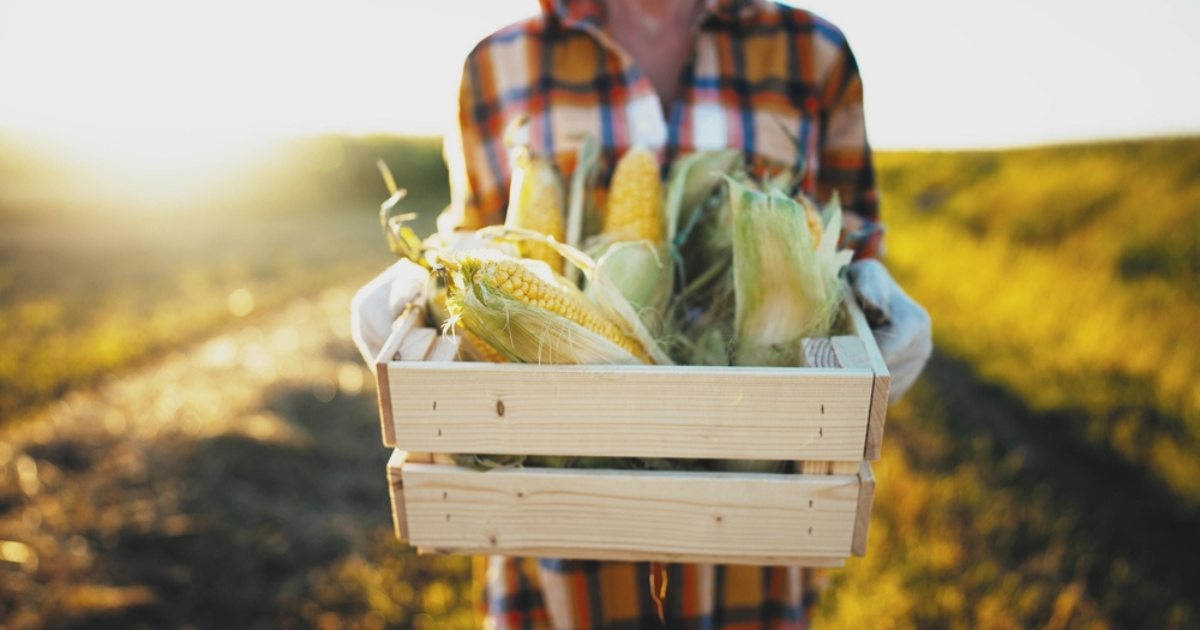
[407, 285]
[904, 375]
[906, 344]
[873, 287]
[377, 304]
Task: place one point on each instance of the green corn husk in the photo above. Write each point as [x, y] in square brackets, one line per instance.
[642, 272]
[704, 308]
[693, 181]
[581, 215]
[699, 228]
[747, 465]
[518, 327]
[604, 294]
[488, 461]
[786, 289]
[485, 462]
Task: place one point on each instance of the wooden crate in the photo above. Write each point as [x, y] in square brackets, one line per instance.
[828, 419]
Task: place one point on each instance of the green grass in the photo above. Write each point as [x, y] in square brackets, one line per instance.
[86, 290]
[1063, 284]
[1069, 276]
[968, 535]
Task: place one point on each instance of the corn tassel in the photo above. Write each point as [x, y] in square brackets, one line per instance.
[471, 347]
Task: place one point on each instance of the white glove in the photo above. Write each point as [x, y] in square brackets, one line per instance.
[377, 305]
[901, 327]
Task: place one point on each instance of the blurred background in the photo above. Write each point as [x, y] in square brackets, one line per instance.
[189, 197]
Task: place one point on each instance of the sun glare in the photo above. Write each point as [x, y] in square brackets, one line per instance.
[173, 86]
[198, 69]
[158, 99]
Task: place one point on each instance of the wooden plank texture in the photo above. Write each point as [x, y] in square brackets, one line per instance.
[396, 493]
[881, 384]
[412, 317]
[862, 521]
[646, 556]
[828, 468]
[417, 344]
[557, 511]
[819, 352]
[444, 349]
[646, 411]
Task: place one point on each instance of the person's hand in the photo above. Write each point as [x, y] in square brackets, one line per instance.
[901, 327]
[377, 305]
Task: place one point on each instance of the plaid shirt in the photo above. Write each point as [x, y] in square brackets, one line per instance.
[780, 83]
[588, 595]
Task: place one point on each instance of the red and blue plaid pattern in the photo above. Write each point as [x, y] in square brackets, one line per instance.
[778, 82]
[527, 593]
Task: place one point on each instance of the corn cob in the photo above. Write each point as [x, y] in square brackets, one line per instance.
[479, 347]
[473, 348]
[813, 216]
[531, 315]
[787, 286]
[632, 249]
[536, 203]
[635, 210]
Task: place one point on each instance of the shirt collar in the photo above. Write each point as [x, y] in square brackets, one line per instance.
[590, 13]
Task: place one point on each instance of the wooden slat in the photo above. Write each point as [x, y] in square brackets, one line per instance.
[412, 317]
[850, 351]
[646, 556]
[862, 521]
[818, 352]
[882, 381]
[444, 349]
[639, 411]
[809, 467]
[417, 344]
[557, 511]
[396, 493]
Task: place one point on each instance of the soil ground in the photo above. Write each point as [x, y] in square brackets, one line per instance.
[238, 483]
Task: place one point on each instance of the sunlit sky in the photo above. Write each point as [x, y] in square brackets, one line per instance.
[938, 73]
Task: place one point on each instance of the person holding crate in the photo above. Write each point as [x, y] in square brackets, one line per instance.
[678, 76]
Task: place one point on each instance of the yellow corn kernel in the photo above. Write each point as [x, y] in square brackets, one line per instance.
[814, 225]
[479, 347]
[508, 279]
[812, 215]
[635, 210]
[536, 203]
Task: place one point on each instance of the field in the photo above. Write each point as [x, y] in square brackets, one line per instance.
[189, 438]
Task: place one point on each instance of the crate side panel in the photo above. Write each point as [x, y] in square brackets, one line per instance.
[645, 556]
[733, 413]
[448, 507]
[866, 498]
[396, 493]
[882, 382]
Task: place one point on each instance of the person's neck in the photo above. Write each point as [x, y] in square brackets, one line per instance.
[658, 35]
[650, 19]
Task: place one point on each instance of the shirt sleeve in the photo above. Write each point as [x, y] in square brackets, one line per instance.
[474, 152]
[847, 166]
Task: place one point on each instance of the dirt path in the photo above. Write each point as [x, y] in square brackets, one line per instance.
[1127, 515]
[238, 484]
